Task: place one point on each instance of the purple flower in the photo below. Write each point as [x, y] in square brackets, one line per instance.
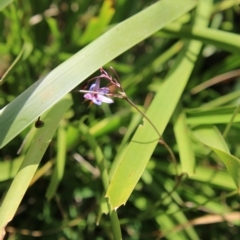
[98, 97]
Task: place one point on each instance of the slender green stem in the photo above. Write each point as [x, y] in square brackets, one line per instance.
[115, 224]
[144, 115]
[162, 141]
[226, 131]
[124, 96]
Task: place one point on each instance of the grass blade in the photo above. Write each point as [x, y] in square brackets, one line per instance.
[60, 162]
[221, 39]
[186, 152]
[211, 137]
[45, 93]
[31, 161]
[144, 141]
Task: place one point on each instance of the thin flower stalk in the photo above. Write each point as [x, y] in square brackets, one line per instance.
[98, 95]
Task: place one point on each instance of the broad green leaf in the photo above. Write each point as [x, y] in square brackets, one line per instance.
[144, 141]
[140, 149]
[31, 161]
[187, 156]
[211, 137]
[232, 164]
[18, 114]
[121, 150]
[184, 143]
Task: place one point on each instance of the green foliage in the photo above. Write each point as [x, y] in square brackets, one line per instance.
[171, 57]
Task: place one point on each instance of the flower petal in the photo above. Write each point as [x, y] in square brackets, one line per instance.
[97, 101]
[92, 87]
[97, 84]
[103, 90]
[98, 97]
[89, 96]
[104, 99]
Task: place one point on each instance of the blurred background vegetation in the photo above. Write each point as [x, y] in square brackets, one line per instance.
[200, 207]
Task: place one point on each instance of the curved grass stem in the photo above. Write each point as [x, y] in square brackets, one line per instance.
[161, 140]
